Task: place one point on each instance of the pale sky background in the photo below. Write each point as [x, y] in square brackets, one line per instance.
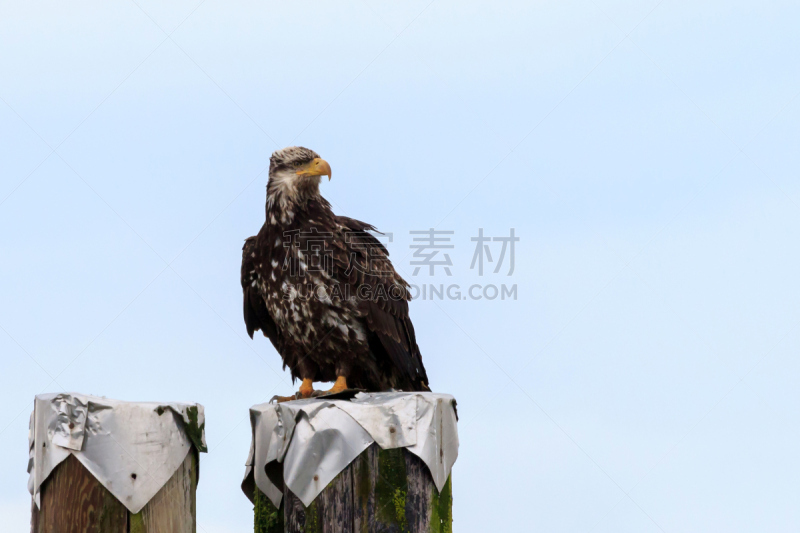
[646, 154]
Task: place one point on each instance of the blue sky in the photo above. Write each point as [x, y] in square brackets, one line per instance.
[644, 152]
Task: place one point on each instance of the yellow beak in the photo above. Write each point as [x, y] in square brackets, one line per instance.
[317, 167]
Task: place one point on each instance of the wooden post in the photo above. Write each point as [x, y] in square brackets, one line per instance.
[73, 501]
[381, 491]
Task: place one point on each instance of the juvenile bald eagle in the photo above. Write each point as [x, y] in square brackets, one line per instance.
[322, 289]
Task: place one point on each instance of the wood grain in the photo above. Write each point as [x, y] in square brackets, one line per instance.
[365, 475]
[174, 508]
[297, 517]
[381, 491]
[419, 495]
[336, 504]
[73, 501]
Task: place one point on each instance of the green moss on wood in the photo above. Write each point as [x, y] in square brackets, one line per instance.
[400, 509]
[380, 498]
[391, 487]
[313, 522]
[137, 523]
[268, 518]
[442, 509]
[107, 515]
[363, 482]
[194, 430]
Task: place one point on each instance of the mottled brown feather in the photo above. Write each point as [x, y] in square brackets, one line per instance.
[385, 355]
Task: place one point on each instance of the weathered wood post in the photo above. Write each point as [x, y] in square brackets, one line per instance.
[104, 466]
[381, 490]
[366, 466]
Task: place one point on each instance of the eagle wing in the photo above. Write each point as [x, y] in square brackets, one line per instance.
[256, 316]
[363, 260]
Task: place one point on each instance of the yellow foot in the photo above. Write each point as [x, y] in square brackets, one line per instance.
[339, 386]
[306, 391]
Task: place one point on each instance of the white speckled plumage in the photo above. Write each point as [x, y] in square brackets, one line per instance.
[316, 317]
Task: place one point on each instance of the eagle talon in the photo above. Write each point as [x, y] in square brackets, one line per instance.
[281, 399]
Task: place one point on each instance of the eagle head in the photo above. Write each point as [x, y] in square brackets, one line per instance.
[294, 175]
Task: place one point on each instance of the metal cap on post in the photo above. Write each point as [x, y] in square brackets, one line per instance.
[106, 465]
[376, 462]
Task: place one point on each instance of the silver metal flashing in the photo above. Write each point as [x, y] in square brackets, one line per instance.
[132, 449]
[305, 444]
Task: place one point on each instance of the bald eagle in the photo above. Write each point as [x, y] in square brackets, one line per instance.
[322, 289]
